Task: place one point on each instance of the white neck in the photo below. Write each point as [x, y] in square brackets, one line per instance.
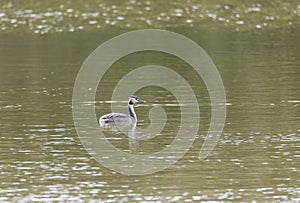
[132, 112]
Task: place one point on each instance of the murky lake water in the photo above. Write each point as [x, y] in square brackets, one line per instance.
[256, 159]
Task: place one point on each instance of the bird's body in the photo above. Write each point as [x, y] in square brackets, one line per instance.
[114, 117]
[121, 118]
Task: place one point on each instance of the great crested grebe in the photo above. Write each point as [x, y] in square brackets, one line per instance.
[120, 117]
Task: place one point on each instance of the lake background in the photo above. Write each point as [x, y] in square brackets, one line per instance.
[256, 48]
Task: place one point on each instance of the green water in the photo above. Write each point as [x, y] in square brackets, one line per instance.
[256, 159]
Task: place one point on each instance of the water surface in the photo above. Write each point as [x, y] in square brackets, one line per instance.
[257, 157]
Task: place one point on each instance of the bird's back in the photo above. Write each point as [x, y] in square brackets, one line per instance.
[115, 117]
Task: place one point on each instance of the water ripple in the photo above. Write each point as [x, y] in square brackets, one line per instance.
[76, 16]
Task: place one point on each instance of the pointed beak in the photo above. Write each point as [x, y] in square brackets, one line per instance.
[140, 100]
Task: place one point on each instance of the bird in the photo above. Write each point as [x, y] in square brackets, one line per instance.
[121, 118]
